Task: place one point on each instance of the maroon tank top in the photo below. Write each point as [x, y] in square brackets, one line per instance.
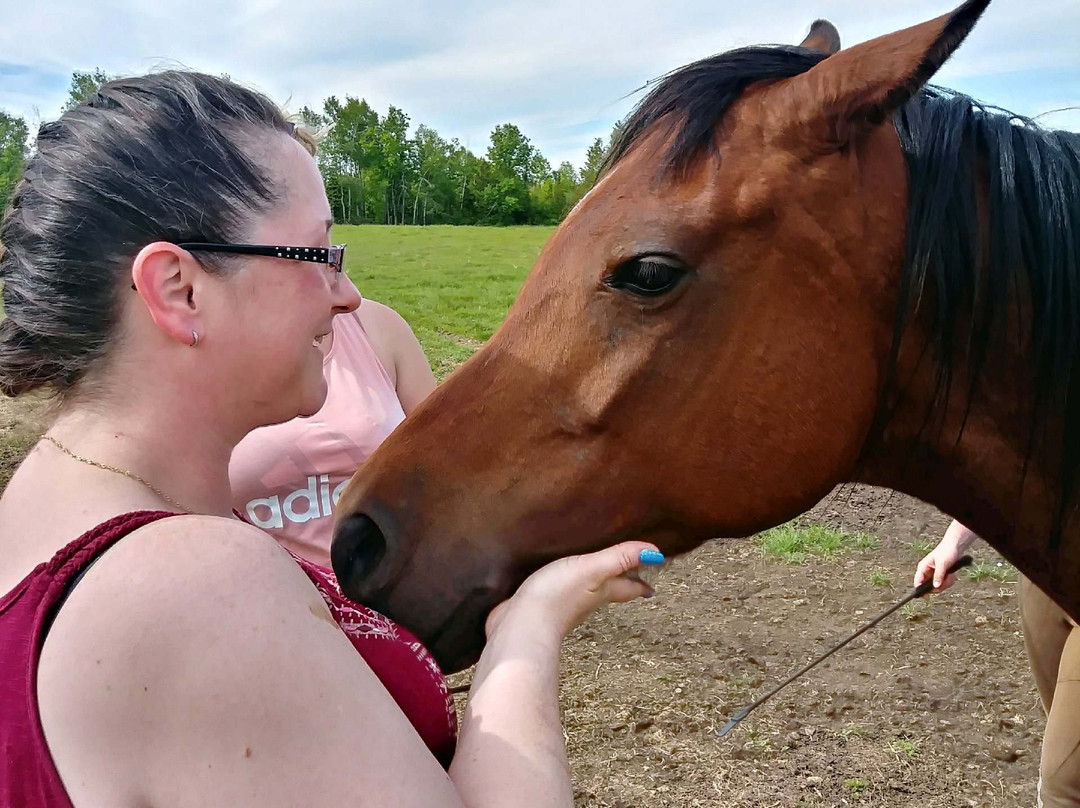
[28, 775]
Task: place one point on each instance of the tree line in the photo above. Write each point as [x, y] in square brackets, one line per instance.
[376, 172]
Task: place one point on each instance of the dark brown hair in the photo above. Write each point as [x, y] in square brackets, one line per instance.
[163, 157]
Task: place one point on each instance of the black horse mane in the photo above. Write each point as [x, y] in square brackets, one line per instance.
[951, 142]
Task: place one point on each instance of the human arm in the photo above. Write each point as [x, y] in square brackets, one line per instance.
[956, 541]
[196, 664]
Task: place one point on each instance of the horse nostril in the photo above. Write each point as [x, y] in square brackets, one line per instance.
[355, 553]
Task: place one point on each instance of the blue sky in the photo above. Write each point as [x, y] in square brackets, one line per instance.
[559, 69]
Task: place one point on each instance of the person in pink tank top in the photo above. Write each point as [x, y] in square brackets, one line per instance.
[287, 478]
[168, 276]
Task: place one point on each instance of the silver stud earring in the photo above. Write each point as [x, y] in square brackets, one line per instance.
[194, 339]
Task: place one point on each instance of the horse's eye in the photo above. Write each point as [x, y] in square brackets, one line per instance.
[649, 276]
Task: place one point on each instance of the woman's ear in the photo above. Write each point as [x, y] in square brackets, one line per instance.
[165, 276]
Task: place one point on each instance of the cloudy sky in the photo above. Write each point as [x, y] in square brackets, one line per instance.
[560, 69]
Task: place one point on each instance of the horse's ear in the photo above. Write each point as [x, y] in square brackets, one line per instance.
[823, 37]
[862, 86]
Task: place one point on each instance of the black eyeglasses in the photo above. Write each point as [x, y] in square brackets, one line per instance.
[334, 256]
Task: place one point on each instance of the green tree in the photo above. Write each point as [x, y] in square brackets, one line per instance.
[434, 189]
[616, 130]
[517, 165]
[351, 158]
[504, 200]
[394, 146]
[468, 173]
[312, 118]
[511, 154]
[557, 194]
[13, 154]
[594, 159]
[375, 172]
[84, 85]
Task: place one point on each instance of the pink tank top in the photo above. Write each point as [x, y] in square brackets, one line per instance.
[287, 478]
[28, 776]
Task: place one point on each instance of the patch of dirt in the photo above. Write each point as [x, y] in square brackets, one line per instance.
[940, 710]
[22, 420]
[464, 342]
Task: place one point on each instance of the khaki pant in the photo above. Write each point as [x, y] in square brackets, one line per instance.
[1053, 646]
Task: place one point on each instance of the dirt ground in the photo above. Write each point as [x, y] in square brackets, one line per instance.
[932, 708]
[21, 421]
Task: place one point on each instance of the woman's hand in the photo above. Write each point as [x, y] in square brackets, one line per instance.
[563, 593]
[954, 543]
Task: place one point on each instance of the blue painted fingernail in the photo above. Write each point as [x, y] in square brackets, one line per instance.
[651, 557]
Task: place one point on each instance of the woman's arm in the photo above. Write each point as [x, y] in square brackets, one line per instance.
[195, 664]
[512, 751]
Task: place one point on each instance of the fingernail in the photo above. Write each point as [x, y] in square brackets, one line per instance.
[651, 557]
[649, 594]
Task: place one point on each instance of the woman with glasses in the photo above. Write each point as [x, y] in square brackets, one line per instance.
[287, 478]
[167, 276]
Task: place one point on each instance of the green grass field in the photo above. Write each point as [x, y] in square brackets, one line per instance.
[453, 284]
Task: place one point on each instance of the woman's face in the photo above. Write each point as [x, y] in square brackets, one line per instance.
[273, 311]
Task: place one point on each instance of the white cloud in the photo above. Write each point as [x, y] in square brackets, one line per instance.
[558, 68]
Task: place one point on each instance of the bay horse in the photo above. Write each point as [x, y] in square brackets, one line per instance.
[801, 266]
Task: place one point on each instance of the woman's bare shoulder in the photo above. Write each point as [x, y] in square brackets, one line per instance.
[197, 654]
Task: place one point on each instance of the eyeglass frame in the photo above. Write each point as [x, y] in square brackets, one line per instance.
[334, 257]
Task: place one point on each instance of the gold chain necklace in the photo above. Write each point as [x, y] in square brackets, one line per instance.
[129, 474]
